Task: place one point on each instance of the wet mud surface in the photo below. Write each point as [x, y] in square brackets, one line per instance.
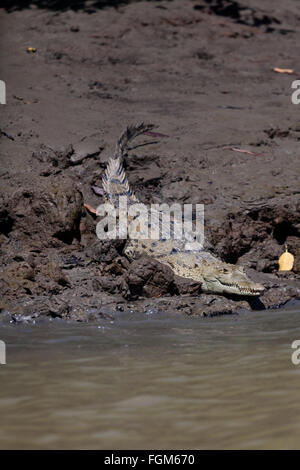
[202, 72]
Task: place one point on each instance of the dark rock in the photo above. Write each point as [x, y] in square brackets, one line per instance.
[104, 251]
[6, 222]
[149, 278]
[210, 306]
[187, 286]
[53, 211]
[25, 310]
[49, 274]
[83, 150]
[16, 279]
[105, 283]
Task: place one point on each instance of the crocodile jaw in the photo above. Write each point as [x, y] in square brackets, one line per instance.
[233, 281]
[216, 287]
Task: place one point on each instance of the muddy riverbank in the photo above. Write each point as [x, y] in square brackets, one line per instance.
[202, 71]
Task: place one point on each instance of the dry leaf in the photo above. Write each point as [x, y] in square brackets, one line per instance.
[97, 190]
[276, 69]
[234, 149]
[90, 209]
[286, 261]
[155, 134]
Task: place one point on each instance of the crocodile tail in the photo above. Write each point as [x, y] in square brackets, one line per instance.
[114, 180]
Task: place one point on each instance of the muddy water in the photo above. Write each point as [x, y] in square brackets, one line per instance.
[151, 381]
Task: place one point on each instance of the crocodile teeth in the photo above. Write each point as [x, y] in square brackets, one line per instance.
[247, 290]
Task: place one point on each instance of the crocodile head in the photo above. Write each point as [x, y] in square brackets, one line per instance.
[223, 278]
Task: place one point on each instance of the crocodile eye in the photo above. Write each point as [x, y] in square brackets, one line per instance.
[225, 271]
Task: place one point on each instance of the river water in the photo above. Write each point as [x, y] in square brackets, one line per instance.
[152, 381]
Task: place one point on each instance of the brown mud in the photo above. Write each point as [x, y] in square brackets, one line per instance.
[200, 70]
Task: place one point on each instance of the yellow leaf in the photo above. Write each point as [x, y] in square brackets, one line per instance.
[286, 261]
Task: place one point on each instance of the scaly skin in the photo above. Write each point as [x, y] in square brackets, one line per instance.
[201, 266]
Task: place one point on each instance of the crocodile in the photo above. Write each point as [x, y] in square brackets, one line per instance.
[201, 265]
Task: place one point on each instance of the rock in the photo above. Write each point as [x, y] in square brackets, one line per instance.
[212, 305]
[16, 279]
[149, 278]
[202, 306]
[104, 251]
[58, 158]
[293, 244]
[20, 278]
[256, 236]
[53, 211]
[64, 155]
[67, 155]
[106, 283]
[275, 298]
[83, 150]
[87, 230]
[187, 286]
[50, 277]
[6, 222]
[26, 311]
